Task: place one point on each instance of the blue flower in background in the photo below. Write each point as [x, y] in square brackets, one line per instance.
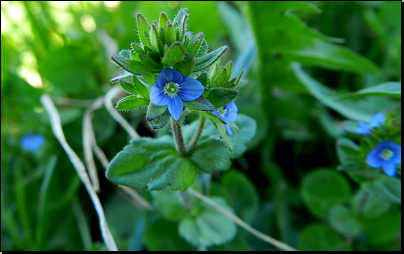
[32, 142]
[172, 88]
[376, 121]
[386, 154]
[228, 113]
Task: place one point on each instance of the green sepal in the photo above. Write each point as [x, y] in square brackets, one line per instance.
[203, 78]
[134, 56]
[195, 43]
[143, 29]
[213, 71]
[147, 61]
[131, 102]
[204, 62]
[162, 37]
[125, 53]
[160, 121]
[142, 88]
[122, 76]
[181, 20]
[150, 78]
[137, 48]
[155, 111]
[170, 35]
[239, 77]
[229, 67]
[174, 54]
[151, 164]
[154, 43]
[130, 65]
[220, 96]
[200, 103]
[186, 66]
[163, 19]
[224, 135]
[128, 87]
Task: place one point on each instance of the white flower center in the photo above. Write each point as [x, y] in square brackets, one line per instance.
[386, 154]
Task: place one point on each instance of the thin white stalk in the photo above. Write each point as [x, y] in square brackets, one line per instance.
[114, 91]
[241, 223]
[88, 140]
[79, 167]
[139, 201]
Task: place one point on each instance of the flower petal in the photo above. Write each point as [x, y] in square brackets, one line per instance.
[373, 159]
[168, 75]
[231, 112]
[216, 113]
[397, 154]
[190, 89]
[175, 107]
[377, 120]
[158, 97]
[363, 129]
[228, 128]
[390, 169]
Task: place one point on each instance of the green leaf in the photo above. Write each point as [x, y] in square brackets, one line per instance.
[220, 96]
[386, 188]
[143, 29]
[170, 35]
[131, 102]
[132, 66]
[318, 191]
[163, 236]
[209, 146]
[154, 43]
[224, 135]
[368, 204]
[160, 121]
[195, 43]
[221, 77]
[171, 204]
[200, 103]
[147, 61]
[163, 19]
[203, 78]
[390, 89]
[151, 164]
[203, 49]
[137, 48]
[346, 150]
[319, 237]
[174, 54]
[348, 108]
[244, 196]
[209, 226]
[205, 61]
[344, 222]
[151, 78]
[155, 111]
[128, 87]
[180, 19]
[186, 66]
[143, 90]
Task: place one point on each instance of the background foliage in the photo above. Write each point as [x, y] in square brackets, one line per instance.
[304, 63]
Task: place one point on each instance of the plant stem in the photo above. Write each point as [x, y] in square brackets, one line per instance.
[197, 134]
[179, 140]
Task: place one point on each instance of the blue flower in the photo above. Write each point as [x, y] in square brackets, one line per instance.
[376, 121]
[172, 88]
[228, 113]
[32, 142]
[386, 154]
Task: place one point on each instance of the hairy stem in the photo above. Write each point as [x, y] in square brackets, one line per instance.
[197, 134]
[179, 140]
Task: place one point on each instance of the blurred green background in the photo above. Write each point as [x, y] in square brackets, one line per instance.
[63, 49]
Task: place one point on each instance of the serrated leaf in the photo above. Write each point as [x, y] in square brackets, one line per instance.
[125, 53]
[160, 121]
[229, 67]
[130, 88]
[180, 21]
[143, 29]
[147, 61]
[174, 54]
[131, 102]
[186, 66]
[220, 96]
[224, 135]
[162, 37]
[170, 35]
[200, 103]
[221, 78]
[195, 43]
[205, 61]
[143, 90]
[130, 65]
[210, 146]
[137, 48]
[209, 226]
[125, 75]
[154, 111]
[134, 56]
[151, 78]
[204, 48]
[151, 164]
